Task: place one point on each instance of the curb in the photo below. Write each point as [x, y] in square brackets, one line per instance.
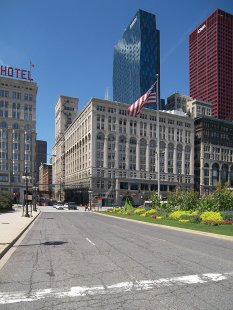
[8, 246]
[190, 231]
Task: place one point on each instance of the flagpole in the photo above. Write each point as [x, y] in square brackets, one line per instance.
[158, 134]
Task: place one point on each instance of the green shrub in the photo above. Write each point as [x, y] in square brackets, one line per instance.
[211, 218]
[182, 200]
[206, 203]
[6, 200]
[223, 198]
[155, 202]
[127, 206]
[188, 200]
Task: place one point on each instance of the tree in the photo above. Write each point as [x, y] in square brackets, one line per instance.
[223, 198]
[6, 200]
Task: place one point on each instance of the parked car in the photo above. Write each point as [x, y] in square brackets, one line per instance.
[52, 202]
[66, 205]
[72, 206]
[59, 206]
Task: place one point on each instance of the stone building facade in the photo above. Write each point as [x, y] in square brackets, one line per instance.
[17, 135]
[213, 153]
[108, 155]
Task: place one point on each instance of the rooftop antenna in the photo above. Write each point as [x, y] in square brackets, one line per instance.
[106, 96]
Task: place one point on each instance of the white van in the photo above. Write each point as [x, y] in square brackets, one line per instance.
[147, 203]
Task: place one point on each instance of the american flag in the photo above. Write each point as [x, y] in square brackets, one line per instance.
[148, 98]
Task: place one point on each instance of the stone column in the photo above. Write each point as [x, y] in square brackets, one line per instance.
[138, 156]
[183, 163]
[147, 156]
[117, 152]
[105, 152]
[175, 160]
[127, 155]
[166, 160]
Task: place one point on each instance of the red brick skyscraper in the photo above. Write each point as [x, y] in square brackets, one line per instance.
[211, 63]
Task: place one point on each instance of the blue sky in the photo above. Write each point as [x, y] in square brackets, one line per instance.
[71, 45]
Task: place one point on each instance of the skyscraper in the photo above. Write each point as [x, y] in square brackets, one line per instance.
[136, 58]
[211, 63]
[41, 156]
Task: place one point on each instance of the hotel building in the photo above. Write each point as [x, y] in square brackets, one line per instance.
[17, 133]
[107, 155]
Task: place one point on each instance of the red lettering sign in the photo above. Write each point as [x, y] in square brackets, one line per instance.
[10, 72]
[16, 72]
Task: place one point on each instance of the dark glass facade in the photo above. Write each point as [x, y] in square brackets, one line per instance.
[136, 59]
[41, 156]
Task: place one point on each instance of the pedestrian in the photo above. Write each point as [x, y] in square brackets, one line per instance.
[86, 207]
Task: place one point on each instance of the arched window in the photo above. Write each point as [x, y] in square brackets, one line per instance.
[122, 153]
[142, 159]
[100, 150]
[162, 156]
[170, 157]
[224, 174]
[231, 176]
[187, 159]
[132, 153]
[206, 174]
[152, 155]
[179, 158]
[111, 151]
[215, 174]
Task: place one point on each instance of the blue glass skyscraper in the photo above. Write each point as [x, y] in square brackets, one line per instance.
[136, 59]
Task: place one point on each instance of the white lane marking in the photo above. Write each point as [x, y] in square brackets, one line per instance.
[80, 291]
[90, 241]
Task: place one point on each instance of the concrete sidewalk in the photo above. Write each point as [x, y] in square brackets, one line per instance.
[12, 226]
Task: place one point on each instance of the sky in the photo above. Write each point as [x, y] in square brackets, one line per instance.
[70, 43]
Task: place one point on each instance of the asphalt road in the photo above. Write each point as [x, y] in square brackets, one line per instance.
[82, 260]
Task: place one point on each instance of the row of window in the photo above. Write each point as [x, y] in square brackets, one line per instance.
[15, 95]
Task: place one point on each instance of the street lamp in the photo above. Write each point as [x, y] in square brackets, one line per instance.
[90, 193]
[26, 177]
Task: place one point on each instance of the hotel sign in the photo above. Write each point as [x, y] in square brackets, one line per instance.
[15, 73]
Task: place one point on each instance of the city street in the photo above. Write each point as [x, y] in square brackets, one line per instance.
[83, 260]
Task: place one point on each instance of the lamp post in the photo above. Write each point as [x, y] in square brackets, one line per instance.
[158, 133]
[90, 193]
[60, 184]
[26, 177]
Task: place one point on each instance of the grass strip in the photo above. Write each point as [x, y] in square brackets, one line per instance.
[226, 230]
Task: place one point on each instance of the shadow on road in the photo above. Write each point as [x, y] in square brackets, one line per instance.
[54, 243]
